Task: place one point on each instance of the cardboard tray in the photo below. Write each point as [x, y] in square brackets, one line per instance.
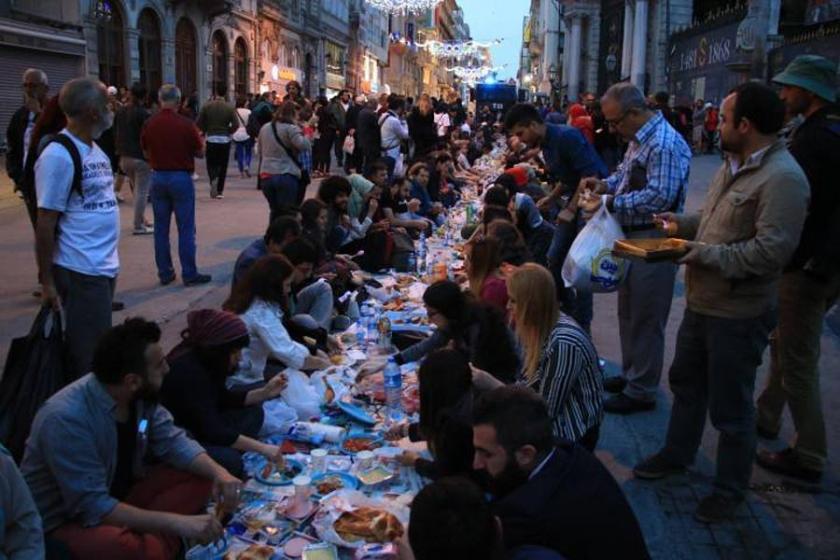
[650, 249]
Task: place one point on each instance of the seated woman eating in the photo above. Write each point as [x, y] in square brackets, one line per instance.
[561, 363]
[224, 421]
[482, 266]
[476, 330]
[260, 301]
[446, 399]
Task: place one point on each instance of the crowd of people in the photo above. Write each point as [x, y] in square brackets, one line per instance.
[121, 461]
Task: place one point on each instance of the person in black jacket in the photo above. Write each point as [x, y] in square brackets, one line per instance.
[446, 400]
[549, 493]
[368, 136]
[422, 128]
[226, 422]
[353, 162]
[19, 133]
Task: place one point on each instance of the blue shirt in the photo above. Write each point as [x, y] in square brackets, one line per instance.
[422, 195]
[251, 254]
[71, 453]
[569, 157]
[653, 176]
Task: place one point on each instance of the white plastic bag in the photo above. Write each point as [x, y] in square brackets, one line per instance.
[590, 265]
[349, 144]
[278, 417]
[301, 395]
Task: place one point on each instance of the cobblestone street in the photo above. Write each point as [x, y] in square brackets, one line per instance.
[781, 520]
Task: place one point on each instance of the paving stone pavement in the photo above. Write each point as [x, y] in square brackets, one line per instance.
[781, 520]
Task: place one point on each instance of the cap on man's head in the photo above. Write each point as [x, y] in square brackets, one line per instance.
[811, 72]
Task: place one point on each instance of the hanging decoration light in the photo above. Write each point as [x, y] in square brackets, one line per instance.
[403, 7]
[473, 74]
[456, 49]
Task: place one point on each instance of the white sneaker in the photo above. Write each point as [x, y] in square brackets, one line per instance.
[145, 230]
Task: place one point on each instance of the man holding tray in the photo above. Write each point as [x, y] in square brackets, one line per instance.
[739, 244]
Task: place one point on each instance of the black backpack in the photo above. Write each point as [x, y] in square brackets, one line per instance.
[71, 148]
[260, 115]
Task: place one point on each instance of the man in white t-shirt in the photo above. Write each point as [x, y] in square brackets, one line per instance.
[77, 232]
[442, 120]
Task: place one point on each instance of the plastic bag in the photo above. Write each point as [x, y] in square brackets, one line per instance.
[301, 395]
[590, 265]
[35, 370]
[349, 144]
[278, 417]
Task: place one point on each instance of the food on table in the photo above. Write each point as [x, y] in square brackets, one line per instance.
[405, 281]
[329, 395]
[354, 445]
[253, 552]
[394, 305]
[368, 524]
[329, 484]
[337, 359]
[375, 475]
[276, 472]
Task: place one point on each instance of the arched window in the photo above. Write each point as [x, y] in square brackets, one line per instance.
[111, 49]
[220, 62]
[149, 48]
[240, 67]
[185, 57]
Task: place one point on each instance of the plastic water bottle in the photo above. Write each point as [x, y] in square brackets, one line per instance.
[393, 390]
[422, 254]
[412, 262]
[383, 327]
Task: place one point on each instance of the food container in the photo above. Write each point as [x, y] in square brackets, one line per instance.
[320, 551]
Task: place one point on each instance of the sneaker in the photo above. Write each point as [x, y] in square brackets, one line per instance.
[117, 306]
[787, 463]
[144, 230]
[716, 508]
[656, 467]
[248, 173]
[622, 404]
[198, 280]
[219, 196]
[168, 280]
[615, 384]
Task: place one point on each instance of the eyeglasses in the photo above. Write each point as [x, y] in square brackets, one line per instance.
[616, 122]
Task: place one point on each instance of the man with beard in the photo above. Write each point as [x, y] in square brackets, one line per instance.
[335, 193]
[811, 282]
[739, 245]
[547, 493]
[86, 459]
[78, 221]
[339, 106]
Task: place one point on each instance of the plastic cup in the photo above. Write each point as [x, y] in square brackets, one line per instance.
[364, 459]
[318, 460]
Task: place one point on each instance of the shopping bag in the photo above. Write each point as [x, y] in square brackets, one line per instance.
[590, 265]
[300, 395]
[35, 370]
[349, 144]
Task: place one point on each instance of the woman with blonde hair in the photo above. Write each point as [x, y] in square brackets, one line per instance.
[560, 362]
[422, 128]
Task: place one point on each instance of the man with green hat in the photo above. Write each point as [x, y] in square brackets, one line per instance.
[811, 282]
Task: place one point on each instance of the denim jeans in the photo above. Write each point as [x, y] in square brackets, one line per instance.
[139, 173]
[281, 191]
[173, 191]
[577, 304]
[714, 370]
[316, 300]
[244, 152]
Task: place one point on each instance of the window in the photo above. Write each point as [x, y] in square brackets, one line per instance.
[185, 57]
[149, 49]
[240, 68]
[220, 62]
[110, 48]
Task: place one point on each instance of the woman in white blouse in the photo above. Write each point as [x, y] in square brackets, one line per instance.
[259, 299]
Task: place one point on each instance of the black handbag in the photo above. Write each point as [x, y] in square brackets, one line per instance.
[35, 370]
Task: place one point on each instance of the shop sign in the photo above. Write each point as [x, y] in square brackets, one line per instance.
[334, 81]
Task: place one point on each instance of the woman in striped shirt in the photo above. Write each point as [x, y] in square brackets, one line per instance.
[561, 363]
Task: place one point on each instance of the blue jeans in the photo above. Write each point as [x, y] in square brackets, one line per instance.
[244, 151]
[281, 191]
[173, 191]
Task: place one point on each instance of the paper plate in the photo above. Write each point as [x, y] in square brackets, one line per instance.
[356, 413]
[348, 481]
[284, 480]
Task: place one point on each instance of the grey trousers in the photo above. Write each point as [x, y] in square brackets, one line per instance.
[714, 371]
[644, 302]
[140, 175]
[316, 301]
[86, 303]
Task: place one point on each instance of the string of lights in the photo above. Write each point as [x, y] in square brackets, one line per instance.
[456, 49]
[403, 7]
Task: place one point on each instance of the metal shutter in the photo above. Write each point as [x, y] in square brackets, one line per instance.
[60, 68]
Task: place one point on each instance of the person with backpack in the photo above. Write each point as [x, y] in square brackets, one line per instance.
[280, 142]
[78, 224]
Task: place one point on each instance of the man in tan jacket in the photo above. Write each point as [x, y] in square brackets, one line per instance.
[738, 246]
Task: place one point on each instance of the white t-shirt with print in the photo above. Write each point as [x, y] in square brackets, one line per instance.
[89, 226]
[442, 122]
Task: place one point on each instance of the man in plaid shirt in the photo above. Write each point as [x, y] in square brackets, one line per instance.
[652, 179]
